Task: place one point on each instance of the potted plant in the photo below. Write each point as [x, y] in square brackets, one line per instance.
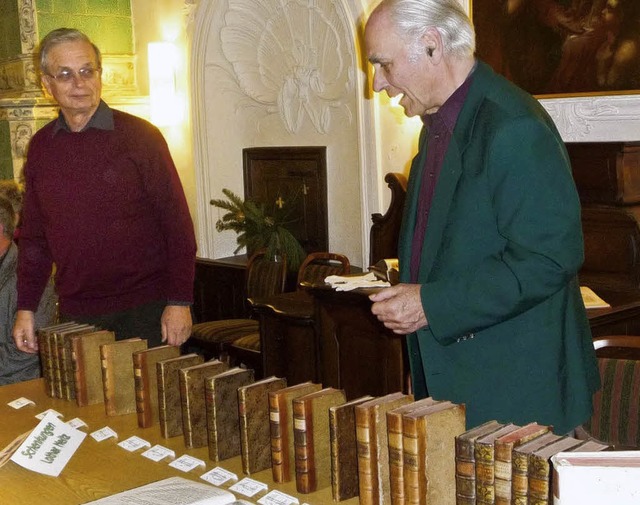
[259, 228]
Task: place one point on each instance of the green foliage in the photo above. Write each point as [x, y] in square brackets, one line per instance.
[258, 228]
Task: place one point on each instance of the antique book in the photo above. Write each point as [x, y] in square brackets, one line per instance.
[503, 448]
[344, 455]
[540, 470]
[192, 397]
[170, 491]
[169, 401]
[117, 375]
[311, 442]
[87, 366]
[372, 447]
[223, 418]
[592, 446]
[255, 434]
[429, 453]
[394, 442]
[466, 461]
[65, 358]
[520, 466]
[56, 345]
[281, 426]
[44, 337]
[484, 452]
[146, 381]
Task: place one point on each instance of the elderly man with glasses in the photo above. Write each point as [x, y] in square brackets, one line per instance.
[104, 204]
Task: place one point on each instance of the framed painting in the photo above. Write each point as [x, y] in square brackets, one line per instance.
[567, 47]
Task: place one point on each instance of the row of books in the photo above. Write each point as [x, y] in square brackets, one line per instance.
[505, 464]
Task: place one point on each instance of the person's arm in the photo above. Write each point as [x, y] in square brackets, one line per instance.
[176, 324]
[400, 308]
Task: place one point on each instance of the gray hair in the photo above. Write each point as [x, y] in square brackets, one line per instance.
[414, 17]
[7, 218]
[58, 36]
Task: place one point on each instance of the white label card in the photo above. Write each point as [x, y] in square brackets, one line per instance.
[186, 463]
[20, 402]
[76, 423]
[134, 443]
[275, 497]
[49, 447]
[158, 452]
[42, 415]
[248, 487]
[218, 476]
[103, 434]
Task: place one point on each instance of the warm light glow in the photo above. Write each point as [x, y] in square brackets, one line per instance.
[166, 107]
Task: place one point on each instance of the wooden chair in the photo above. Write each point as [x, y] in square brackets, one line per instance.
[616, 406]
[264, 277]
[247, 349]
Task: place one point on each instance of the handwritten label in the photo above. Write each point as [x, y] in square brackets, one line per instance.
[42, 415]
[76, 423]
[277, 498]
[103, 434]
[186, 463]
[248, 487]
[218, 476]
[49, 447]
[20, 402]
[158, 452]
[134, 443]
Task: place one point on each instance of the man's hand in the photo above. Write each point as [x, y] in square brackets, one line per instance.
[399, 308]
[24, 334]
[176, 324]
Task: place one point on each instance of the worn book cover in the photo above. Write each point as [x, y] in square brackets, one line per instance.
[484, 452]
[117, 375]
[169, 401]
[255, 435]
[344, 455]
[87, 366]
[312, 447]
[540, 470]
[394, 442]
[65, 356]
[372, 447]
[466, 461]
[281, 426]
[45, 336]
[57, 360]
[192, 396]
[428, 444]
[520, 466]
[503, 448]
[146, 381]
[223, 418]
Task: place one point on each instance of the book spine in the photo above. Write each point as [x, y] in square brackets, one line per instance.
[502, 473]
[396, 477]
[78, 373]
[366, 477]
[65, 365]
[303, 447]
[187, 431]
[44, 347]
[107, 382]
[55, 360]
[162, 402]
[519, 478]
[277, 441]
[245, 449]
[538, 481]
[413, 456]
[139, 385]
[485, 476]
[465, 471]
[212, 425]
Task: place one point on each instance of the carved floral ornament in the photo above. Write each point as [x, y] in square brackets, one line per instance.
[290, 57]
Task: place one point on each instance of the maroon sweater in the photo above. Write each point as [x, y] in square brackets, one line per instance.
[107, 207]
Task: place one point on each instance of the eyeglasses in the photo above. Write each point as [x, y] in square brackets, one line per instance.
[67, 75]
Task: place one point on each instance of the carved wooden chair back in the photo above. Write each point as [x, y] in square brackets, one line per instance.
[318, 265]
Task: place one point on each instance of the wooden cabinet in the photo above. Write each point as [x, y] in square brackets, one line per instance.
[219, 288]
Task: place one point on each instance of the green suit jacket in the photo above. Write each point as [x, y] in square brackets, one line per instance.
[508, 333]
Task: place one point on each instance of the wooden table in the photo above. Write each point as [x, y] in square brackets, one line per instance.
[99, 469]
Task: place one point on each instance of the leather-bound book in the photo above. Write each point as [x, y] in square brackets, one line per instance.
[223, 418]
[540, 470]
[344, 455]
[194, 412]
[373, 448]
[45, 336]
[466, 461]
[520, 466]
[57, 360]
[484, 452]
[312, 446]
[65, 356]
[169, 401]
[429, 453]
[146, 381]
[255, 437]
[394, 442]
[117, 375]
[281, 425]
[503, 448]
[87, 366]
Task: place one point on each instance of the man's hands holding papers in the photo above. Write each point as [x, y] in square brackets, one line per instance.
[399, 308]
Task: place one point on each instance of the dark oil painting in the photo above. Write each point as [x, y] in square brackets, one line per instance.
[561, 46]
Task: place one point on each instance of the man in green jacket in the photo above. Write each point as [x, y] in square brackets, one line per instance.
[491, 239]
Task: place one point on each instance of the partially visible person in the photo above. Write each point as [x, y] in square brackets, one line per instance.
[491, 238]
[103, 202]
[15, 365]
[12, 191]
